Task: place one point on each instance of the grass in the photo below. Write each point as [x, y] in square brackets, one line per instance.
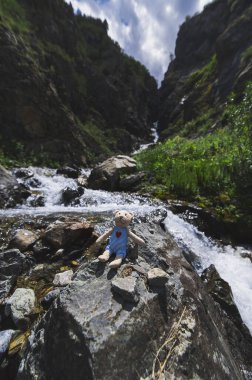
[215, 169]
[199, 77]
[247, 54]
[13, 14]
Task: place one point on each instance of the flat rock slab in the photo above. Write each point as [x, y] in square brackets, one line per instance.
[126, 287]
[157, 277]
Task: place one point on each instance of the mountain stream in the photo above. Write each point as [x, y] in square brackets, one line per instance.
[228, 260]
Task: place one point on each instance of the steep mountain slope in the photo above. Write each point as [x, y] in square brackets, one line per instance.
[213, 57]
[205, 117]
[68, 93]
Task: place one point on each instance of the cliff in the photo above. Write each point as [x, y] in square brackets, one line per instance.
[212, 59]
[68, 93]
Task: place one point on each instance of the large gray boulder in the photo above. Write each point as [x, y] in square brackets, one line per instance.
[106, 176]
[12, 264]
[92, 332]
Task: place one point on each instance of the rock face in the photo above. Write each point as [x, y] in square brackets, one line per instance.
[106, 175]
[12, 264]
[212, 59]
[82, 98]
[91, 332]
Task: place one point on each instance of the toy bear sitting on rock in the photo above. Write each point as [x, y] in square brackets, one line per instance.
[118, 240]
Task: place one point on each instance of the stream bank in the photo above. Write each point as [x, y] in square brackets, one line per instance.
[184, 289]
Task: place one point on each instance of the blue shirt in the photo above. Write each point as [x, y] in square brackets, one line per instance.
[118, 241]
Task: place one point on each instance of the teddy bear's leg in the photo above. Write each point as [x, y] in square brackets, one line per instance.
[104, 257]
[116, 263]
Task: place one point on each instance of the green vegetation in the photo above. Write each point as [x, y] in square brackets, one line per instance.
[247, 54]
[13, 14]
[199, 77]
[214, 170]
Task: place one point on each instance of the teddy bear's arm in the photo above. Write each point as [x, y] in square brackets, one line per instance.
[135, 238]
[104, 236]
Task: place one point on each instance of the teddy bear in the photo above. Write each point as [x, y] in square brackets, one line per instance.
[118, 240]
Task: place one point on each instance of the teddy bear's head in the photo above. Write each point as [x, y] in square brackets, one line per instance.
[123, 218]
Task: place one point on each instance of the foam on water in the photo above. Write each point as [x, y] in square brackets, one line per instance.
[232, 267]
[51, 186]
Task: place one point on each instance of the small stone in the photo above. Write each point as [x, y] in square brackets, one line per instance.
[126, 288]
[63, 279]
[157, 277]
[49, 298]
[20, 305]
[5, 338]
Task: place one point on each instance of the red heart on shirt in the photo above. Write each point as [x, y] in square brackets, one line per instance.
[118, 234]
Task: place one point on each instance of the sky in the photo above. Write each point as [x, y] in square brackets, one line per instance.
[145, 29]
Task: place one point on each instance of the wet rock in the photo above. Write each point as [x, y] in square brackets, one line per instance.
[221, 293]
[5, 338]
[106, 176]
[49, 298]
[82, 181]
[33, 182]
[69, 195]
[23, 173]
[12, 264]
[41, 250]
[98, 330]
[126, 287]
[23, 240]
[11, 192]
[63, 278]
[247, 255]
[20, 305]
[69, 172]
[131, 182]
[67, 234]
[38, 201]
[157, 277]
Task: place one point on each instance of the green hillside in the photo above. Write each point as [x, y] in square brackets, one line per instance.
[68, 93]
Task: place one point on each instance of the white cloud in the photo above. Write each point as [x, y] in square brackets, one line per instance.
[145, 29]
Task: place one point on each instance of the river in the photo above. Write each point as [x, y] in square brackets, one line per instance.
[228, 260]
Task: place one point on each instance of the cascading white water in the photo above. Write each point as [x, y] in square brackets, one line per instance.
[154, 136]
[52, 185]
[233, 268]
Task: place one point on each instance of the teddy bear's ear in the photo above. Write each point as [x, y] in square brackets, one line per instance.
[131, 214]
[115, 212]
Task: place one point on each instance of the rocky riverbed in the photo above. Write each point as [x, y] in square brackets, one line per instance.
[165, 313]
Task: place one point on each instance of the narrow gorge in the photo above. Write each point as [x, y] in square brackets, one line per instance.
[73, 104]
